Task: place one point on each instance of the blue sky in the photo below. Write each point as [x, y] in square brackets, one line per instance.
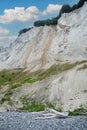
[19, 14]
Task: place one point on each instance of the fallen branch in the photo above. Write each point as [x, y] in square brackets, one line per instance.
[51, 113]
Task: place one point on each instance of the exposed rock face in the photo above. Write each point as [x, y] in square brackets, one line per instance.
[71, 41]
[67, 90]
[30, 49]
[42, 47]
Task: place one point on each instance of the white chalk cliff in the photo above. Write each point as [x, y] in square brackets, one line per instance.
[42, 47]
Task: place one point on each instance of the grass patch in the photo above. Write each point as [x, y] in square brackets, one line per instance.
[24, 100]
[6, 97]
[33, 107]
[16, 85]
[10, 76]
[78, 112]
[30, 80]
[60, 109]
[55, 69]
[16, 77]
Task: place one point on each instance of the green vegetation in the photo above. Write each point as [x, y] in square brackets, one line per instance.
[10, 76]
[24, 100]
[64, 9]
[85, 91]
[31, 105]
[6, 97]
[83, 67]
[48, 22]
[59, 109]
[78, 112]
[55, 69]
[17, 77]
[53, 21]
[78, 5]
[16, 85]
[35, 107]
[24, 30]
[30, 80]
[68, 8]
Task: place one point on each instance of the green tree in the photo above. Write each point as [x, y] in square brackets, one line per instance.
[65, 9]
[48, 22]
[78, 5]
[24, 30]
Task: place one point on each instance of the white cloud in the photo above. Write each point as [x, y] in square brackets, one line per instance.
[7, 37]
[4, 31]
[52, 8]
[19, 14]
[31, 13]
[6, 40]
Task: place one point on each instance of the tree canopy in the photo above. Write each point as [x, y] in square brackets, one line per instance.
[48, 22]
[24, 30]
[53, 21]
[64, 9]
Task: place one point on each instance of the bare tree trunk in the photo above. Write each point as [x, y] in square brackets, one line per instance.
[51, 113]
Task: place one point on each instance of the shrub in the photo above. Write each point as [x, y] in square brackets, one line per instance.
[78, 112]
[48, 22]
[33, 106]
[24, 30]
[78, 5]
[65, 9]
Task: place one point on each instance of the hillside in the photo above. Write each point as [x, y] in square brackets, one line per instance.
[50, 65]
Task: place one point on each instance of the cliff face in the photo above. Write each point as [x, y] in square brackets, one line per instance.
[71, 38]
[30, 50]
[43, 47]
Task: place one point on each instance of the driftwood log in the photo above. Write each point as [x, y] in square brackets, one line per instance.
[51, 113]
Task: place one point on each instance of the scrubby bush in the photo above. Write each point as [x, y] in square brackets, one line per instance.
[48, 22]
[68, 8]
[78, 5]
[64, 9]
[24, 30]
[78, 112]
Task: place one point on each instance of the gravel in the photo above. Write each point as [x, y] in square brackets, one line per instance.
[28, 121]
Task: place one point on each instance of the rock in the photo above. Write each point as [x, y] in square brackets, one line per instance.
[41, 47]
